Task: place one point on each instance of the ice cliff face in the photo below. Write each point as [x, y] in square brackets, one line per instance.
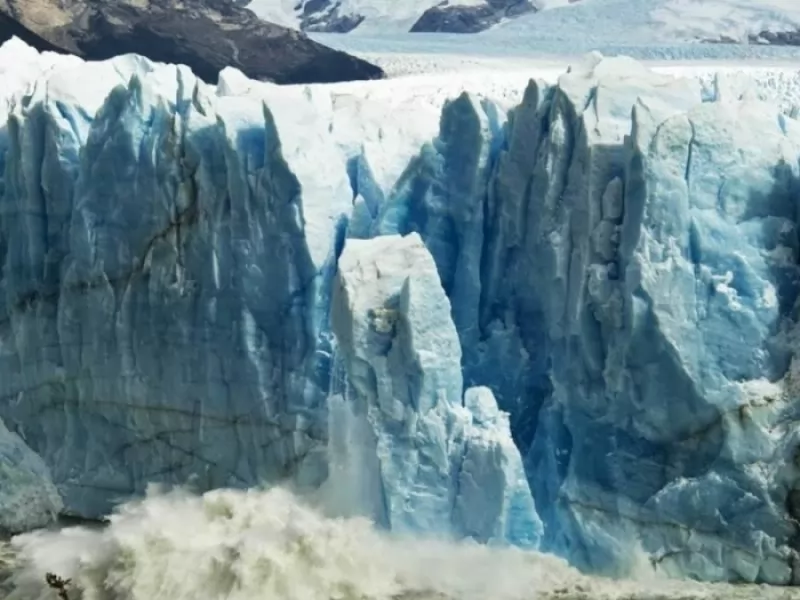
[656, 271]
[187, 336]
[326, 285]
[414, 450]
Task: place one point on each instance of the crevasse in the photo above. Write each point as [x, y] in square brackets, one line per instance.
[331, 287]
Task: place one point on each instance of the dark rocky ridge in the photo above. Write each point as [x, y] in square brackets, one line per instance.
[324, 16]
[453, 18]
[764, 38]
[777, 38]
[206, 35]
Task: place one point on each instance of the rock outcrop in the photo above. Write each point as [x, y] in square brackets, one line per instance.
[206, 35]
[447, 16]
[455, 18]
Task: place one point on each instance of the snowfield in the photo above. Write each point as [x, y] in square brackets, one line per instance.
[649, 21]
[431, 78]
[592, 22]
[556, 45]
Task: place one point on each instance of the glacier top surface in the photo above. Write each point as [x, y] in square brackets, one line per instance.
[513, 47]
[423, 76]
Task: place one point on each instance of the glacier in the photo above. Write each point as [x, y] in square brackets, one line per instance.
[562, 321]
[414, 450]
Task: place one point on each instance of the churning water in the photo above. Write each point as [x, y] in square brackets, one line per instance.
[268, 545]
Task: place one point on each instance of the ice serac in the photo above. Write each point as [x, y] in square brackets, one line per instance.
[648, 244]
[441, 458]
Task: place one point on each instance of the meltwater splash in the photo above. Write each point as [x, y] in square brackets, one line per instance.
[253, 545]
[247, 545]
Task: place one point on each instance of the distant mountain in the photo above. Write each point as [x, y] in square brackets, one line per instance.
[642, 22]
[775, 22]
[447, 16]
[206, 35]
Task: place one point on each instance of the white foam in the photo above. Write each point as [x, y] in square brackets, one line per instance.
[263, 544]
[254, 545]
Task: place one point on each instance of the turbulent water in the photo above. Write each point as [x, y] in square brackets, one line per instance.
[248, 545]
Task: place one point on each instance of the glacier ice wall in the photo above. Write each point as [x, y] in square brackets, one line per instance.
[674, 270]
[616, 269]
[168, 261]
[164, 309]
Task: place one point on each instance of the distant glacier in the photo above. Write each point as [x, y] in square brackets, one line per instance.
[566, 322]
